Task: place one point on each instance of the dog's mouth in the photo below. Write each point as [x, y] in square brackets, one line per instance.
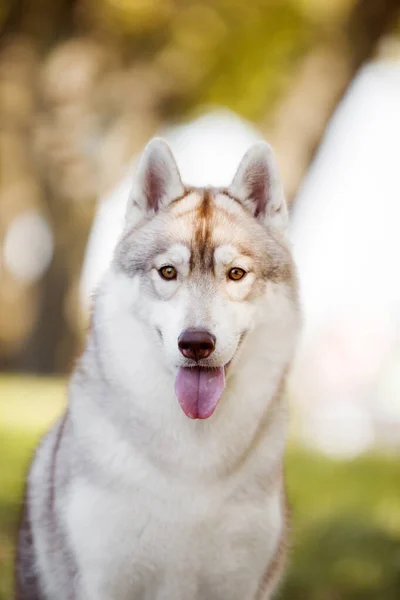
[199, 390]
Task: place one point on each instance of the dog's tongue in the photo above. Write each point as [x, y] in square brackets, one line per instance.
[199, 390]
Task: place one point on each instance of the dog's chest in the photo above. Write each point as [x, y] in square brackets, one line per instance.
[185, 542]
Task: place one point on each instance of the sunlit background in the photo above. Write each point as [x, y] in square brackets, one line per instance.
[84, 84]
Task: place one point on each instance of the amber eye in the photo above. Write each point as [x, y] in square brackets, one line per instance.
[235, 274]
[168, 272]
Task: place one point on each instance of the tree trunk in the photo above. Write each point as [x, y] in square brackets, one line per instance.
[324, 75]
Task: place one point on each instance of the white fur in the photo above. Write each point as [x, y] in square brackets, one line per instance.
[176, 510]
[156, 506]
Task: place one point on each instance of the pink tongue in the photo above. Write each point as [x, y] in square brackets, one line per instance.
[199, 390]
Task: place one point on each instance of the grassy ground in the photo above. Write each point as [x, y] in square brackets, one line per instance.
[346, 515]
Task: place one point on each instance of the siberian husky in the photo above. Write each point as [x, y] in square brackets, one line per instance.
[164, 478]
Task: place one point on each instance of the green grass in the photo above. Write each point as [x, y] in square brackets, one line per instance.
[346, 515]
[27, 407]
[346, 528]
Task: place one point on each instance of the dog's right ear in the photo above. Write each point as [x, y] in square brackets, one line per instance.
[157, 181]
[257, 185]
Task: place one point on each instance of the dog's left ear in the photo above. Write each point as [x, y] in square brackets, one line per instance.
[257, 186]
[157, 181]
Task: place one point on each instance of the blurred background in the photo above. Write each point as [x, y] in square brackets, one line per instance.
[84, 84]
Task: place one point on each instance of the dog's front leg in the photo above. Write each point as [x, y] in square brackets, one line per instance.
[268, 591]
[273, 574]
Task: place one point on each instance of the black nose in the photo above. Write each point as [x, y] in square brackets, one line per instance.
[196, 343]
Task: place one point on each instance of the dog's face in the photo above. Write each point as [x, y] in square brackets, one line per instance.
[201, 265]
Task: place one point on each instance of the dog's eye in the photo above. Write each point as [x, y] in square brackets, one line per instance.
[236, 274]
[168, 272]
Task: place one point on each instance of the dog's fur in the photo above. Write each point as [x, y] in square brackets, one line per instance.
[127, 498]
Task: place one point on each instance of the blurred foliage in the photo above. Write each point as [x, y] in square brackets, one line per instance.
[225, 51]
[85, 83]
[346, 516]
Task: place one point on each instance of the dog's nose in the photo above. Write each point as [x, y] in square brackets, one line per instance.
[196, 343]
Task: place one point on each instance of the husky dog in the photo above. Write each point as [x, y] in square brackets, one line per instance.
[164, 478]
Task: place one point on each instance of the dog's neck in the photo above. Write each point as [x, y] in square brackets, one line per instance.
[142, 405]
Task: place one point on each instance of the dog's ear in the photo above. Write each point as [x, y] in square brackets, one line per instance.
[257, 186]
[157, 181]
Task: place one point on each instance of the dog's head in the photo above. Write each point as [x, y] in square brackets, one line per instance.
[204, 267]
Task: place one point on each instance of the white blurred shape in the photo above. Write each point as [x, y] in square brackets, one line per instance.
[28, 246]
[345, 228]
[388, 391]
[343, 429]
[345, 233]
[208, 151]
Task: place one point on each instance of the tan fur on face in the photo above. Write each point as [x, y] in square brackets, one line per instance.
[206, 219]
